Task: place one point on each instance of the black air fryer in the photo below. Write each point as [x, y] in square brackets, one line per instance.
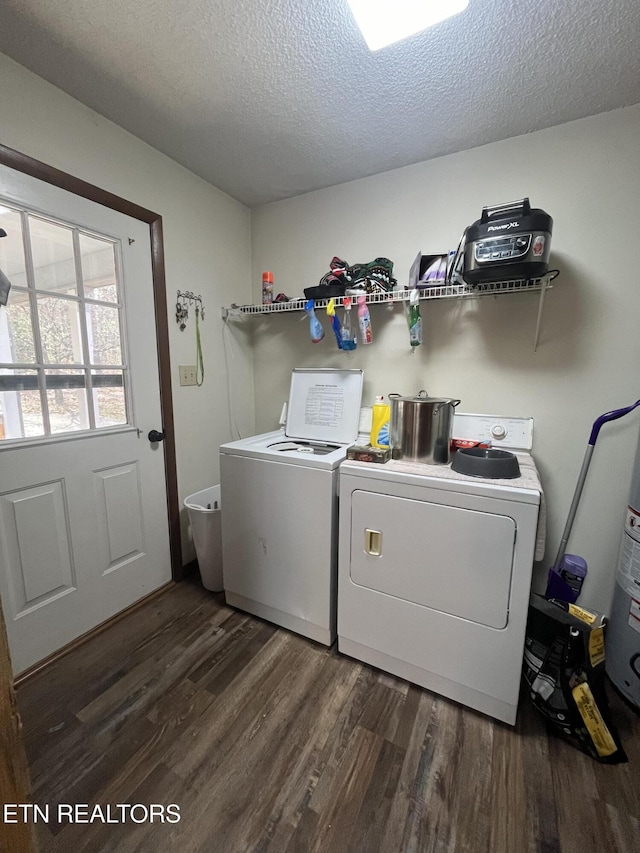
[509, 241]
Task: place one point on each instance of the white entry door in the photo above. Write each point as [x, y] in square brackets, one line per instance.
[83, 508]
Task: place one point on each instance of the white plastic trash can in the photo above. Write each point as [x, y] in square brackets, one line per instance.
[205, 520]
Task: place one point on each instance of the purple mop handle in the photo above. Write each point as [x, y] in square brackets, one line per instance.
[598, 423]
[609, 416]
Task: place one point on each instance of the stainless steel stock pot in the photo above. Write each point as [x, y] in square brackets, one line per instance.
[420, 428]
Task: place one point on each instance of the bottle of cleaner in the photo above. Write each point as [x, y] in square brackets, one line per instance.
[349, 336]
[315, 326]
[335, 322]
[267, 288]
[380, 417]
[364, 320]
[415, 321]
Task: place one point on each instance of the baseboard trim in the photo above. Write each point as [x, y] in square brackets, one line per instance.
[88, 635]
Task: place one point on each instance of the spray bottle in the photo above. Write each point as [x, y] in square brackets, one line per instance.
[349, 334]
[315, 326]
[364, 320]
[415, 321]
[335, 322]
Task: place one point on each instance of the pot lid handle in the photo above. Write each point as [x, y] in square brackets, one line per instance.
[422, 393]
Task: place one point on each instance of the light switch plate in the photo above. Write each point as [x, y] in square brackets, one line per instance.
[187, 374]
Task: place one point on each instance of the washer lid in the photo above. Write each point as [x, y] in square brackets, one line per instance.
[324, 404]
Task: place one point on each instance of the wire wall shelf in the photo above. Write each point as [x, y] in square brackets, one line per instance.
[442, 291]
[432, 292]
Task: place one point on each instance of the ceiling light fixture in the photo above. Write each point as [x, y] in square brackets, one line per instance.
[383, 22]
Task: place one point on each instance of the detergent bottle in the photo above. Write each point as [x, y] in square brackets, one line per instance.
[380, 417]
[364, 320]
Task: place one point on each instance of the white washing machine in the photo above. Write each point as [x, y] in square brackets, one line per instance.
[434, 569]
[279, 506]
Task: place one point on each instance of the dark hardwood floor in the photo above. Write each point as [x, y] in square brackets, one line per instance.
[269, 742]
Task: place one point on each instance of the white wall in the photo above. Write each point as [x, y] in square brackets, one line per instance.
[586, 174]
[207, 251]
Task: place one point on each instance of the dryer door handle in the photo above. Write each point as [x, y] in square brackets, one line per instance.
[373, 542]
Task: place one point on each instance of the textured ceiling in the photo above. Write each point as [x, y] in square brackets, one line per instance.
[268, 99]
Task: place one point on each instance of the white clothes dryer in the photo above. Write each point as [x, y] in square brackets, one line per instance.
[279, 506]
[434, 570]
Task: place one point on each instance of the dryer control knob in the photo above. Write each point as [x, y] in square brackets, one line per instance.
[498, 431]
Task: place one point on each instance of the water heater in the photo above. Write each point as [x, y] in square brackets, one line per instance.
[623, 630]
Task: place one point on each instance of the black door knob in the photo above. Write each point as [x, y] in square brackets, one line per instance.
[155, 436]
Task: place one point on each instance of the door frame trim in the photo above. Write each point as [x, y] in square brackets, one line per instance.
[50, 175]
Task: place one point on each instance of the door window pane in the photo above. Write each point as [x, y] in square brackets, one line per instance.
[103, 334]
[11, 247]
[67, 400]
[16, 330]
[56, 333]
[60, 333]
[54, 264]
[20, 406]
[98, 269]
[109, 398]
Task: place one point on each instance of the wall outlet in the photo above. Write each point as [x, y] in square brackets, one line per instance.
[187, 374]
